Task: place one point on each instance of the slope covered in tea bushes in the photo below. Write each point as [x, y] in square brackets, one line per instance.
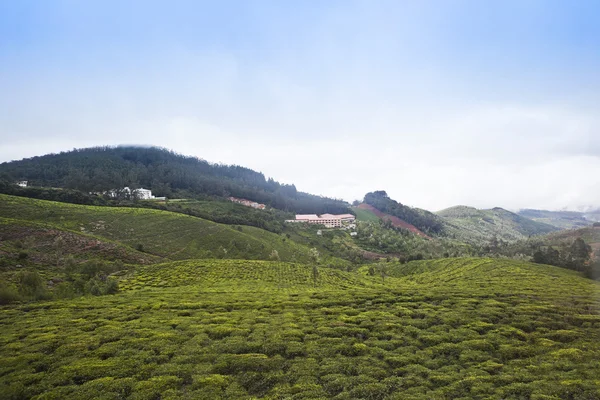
[160, 233]
[226, 329]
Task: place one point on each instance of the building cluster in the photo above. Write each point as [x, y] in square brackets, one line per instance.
[327, 220]
[248, 203]
[141, 193]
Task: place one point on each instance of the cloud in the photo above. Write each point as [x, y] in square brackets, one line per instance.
[340, 100]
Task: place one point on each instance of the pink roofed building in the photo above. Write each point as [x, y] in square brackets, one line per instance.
[328, 220]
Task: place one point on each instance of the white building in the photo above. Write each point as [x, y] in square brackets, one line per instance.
[141, 193]
[22, 183]
[328, 220]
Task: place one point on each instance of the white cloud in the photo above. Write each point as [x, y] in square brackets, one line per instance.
[345, 102]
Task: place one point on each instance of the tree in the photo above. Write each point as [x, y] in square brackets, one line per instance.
[578, 255]
[58, 245]
[314, 256]
[383, 271]
[315, 274]
[274, 255]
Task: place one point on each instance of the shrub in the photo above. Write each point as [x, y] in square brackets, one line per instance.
[8, 294]
[30, 285]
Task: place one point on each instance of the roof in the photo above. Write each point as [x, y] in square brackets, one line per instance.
[307, 217]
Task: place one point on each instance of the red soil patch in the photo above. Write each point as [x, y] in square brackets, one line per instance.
[397, 222]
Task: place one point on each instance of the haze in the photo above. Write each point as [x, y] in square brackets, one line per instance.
[437, 102]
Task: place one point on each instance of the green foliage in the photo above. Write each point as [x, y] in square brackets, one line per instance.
[365, 215]
[31, 286]
[158, 233]
[479, 227]
[439, 329]
[8, 294]
[421, 219]
[166, 173]
[383, 238]
[227, 212]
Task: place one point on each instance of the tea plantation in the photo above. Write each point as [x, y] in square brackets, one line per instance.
[231, 329]
[159, 233]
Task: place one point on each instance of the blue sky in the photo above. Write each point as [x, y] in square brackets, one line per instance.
[438, 102]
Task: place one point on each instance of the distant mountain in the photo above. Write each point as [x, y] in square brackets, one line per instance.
[593, 216]
[475, 226]
[165, 173]
[562, 219]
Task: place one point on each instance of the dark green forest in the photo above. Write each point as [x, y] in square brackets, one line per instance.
[166, 173]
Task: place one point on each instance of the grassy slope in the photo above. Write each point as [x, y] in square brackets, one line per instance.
[365, 215]
[165, 234]
[39, 243]
[478, 226]
[446, 329]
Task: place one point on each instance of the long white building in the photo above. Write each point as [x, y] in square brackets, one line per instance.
[328, 220]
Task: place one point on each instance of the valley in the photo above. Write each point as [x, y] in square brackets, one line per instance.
[199, 297]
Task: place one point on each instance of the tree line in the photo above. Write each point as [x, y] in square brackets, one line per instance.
[166, 173]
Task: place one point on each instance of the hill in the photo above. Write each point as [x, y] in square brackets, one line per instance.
[560, 219]
[165, 173]
[480, 226]
[590, 234]
[447, 329]
[157, 233]
[395, 221]
[422, 220]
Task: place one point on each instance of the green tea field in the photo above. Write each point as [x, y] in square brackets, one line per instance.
[161, 234]
[229, 329]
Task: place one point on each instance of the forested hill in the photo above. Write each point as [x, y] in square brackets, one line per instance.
[163, 171]
[423, 220]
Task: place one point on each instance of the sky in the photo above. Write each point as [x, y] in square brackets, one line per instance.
[439, 103]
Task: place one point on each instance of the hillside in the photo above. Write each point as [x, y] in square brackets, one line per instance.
[423, 221]
[395, 221]
[165, 173]
[157, 233]
[210, 329]
[480, 226]
[560, 219]
[365, 215]
[591, 236]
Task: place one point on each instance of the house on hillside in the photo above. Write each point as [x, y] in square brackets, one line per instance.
[141, 193]
[248, 203]
[22, 183]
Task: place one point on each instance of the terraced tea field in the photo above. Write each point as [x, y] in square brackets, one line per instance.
[227, 329]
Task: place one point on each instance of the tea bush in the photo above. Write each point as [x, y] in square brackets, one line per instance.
[231, 329]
